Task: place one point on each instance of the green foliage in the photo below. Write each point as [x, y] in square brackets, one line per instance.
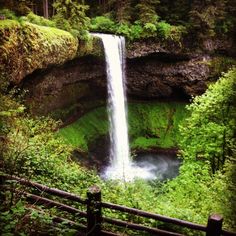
[209, 132]
[87, 129]
[154, 124]
[8, 14]
[149, 30]
[20, 220]
[208, 146]
[203, 194]
[38, 20]
[164, 29]
[26, 47]
[30, 149]
[147, 11]
[132, 32]
[138, 30]
[124, 29]
[203, 19]
[135, 31]
[102, 24]
[72, 15]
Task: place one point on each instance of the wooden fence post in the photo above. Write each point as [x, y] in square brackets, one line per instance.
[214, 225]
[94, 212]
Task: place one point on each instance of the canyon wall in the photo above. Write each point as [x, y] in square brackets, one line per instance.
[153, 72]
[63, 75]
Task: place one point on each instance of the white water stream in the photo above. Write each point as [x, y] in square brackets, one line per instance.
[121, 166]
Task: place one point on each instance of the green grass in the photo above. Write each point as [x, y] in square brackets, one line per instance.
[150, 125]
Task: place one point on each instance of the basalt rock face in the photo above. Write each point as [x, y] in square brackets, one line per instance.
[76, 85]
[153, 72]
[177, 69]
[156, 77]
[188, 48]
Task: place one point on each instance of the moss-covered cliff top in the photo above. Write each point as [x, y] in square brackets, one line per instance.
[25, 47]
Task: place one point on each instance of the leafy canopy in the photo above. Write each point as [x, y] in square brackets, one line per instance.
[209, 133]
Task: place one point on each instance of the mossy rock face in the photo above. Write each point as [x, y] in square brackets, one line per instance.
[93, 46]
[26, 47]
[151, 125]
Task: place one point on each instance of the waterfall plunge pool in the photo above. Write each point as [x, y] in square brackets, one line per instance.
[161, 166]
[148, 165]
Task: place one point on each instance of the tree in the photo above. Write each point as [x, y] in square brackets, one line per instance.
[73, 12]
[209, 133]
[147, 11]
[174, 12]
[205, 15]
[45, 8]
[123, 11]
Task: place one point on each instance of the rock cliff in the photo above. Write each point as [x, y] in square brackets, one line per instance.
[64, 75]
[153, 72]
[25, 47]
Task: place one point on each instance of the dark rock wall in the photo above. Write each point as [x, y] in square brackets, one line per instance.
[153, 72]
[77, 82]
[153, 77]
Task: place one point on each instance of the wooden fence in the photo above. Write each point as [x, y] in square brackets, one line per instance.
[95, 219]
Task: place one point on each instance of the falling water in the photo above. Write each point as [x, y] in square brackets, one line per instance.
[121, 166]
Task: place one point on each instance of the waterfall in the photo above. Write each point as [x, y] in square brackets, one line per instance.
[121, 166]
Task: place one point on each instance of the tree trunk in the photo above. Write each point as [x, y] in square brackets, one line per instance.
[45, 8]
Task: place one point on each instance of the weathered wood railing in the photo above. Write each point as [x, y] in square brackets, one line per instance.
[94, 216]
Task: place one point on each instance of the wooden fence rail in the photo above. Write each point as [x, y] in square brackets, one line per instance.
[95, 218]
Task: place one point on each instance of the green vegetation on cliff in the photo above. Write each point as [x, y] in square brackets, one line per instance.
[86, 129]
[207, 177]
[155, 124]
[150, 125]
[25, 47]
[211, 137]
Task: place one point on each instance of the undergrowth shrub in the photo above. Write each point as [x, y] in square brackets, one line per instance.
[103, 24]
[39, 20]
[149, 30]
[163, 29]
[8, 14]
[124, 29]
[135, 31]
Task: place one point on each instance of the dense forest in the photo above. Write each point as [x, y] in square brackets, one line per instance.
[135, 19]
[50, 134]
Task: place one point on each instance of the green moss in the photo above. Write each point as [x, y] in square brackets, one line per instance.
[26, 47]
[89, 127]
[150, 125]
[4, 24]
[155, 124]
